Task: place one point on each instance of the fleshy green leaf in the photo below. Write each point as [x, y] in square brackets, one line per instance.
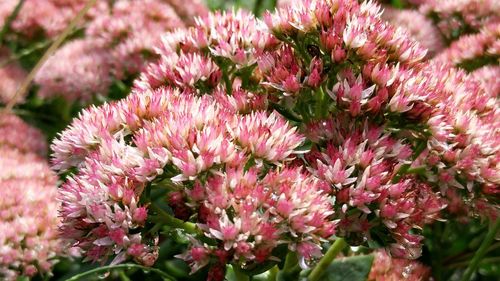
[349, 269]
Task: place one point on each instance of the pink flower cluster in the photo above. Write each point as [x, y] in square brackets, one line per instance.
[118, 41]
[387, 134]
[419, 27]
[29, 243]
[18, 135]
[387, 268]
[458, 17]
[40, 17]
[483, 46]
[465, 110]
[361, 165]
[193, 142]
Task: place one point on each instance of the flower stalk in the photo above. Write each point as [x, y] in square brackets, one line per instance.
[171, 221]
[240, 275]
[490, 237]
[330, 255]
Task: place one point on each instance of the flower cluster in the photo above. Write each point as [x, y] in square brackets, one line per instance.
[40, 17]
[18, 135]
[419, 27]
[219, 121]
[474, 50]
[29, 243]
[372, 199]
[118, 41]
[464, 145]
[192, 142]
[249, 217]
[455, 18]
[388, 268]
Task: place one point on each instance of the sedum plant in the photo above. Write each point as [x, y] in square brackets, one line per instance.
[262, 140]
[246, 148]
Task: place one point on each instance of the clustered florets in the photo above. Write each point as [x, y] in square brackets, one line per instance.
[119, 41]
[29, 242]
[385, 267]
[387, 135]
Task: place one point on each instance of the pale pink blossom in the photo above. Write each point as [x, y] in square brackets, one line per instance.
[16, 134]
[80, 70]
[119, 41]
[215, 121]
[418, 26]
[29, 243]
[284, 207]
[184, 139]
[489, 77]
[482, 46]
[457, 17]
[47, 16]
[387, 268]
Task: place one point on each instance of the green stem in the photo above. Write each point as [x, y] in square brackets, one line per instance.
[290, 269]
[291, 261]
[227, 81]
[321, 105]
[25, 52]
[327, 259]
[119, 266]
[257, 7]
[397, 4]
[240, 276]
[10, 19]
[174, 222]
[273, 273]
[416, 170]
[123, 276]
[490, 236]
[464, 257]
[484, 261]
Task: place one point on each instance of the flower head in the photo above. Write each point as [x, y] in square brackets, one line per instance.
[29, 240]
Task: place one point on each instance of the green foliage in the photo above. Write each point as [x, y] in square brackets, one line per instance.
[255, 6]
[354, 268]
[450, 247]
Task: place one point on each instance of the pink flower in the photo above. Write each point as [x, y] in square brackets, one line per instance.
[47, 16]
[418, 27]
[80, 70]
[388, 268]
[29, 240]
[267, 137]
[186, 139]
[119, 43]
[16, 134]
[217, 117]
[288, 202]
[360, 165]
[481, 45]
[457, 17]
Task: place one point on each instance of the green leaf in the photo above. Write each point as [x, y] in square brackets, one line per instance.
[354, 268]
